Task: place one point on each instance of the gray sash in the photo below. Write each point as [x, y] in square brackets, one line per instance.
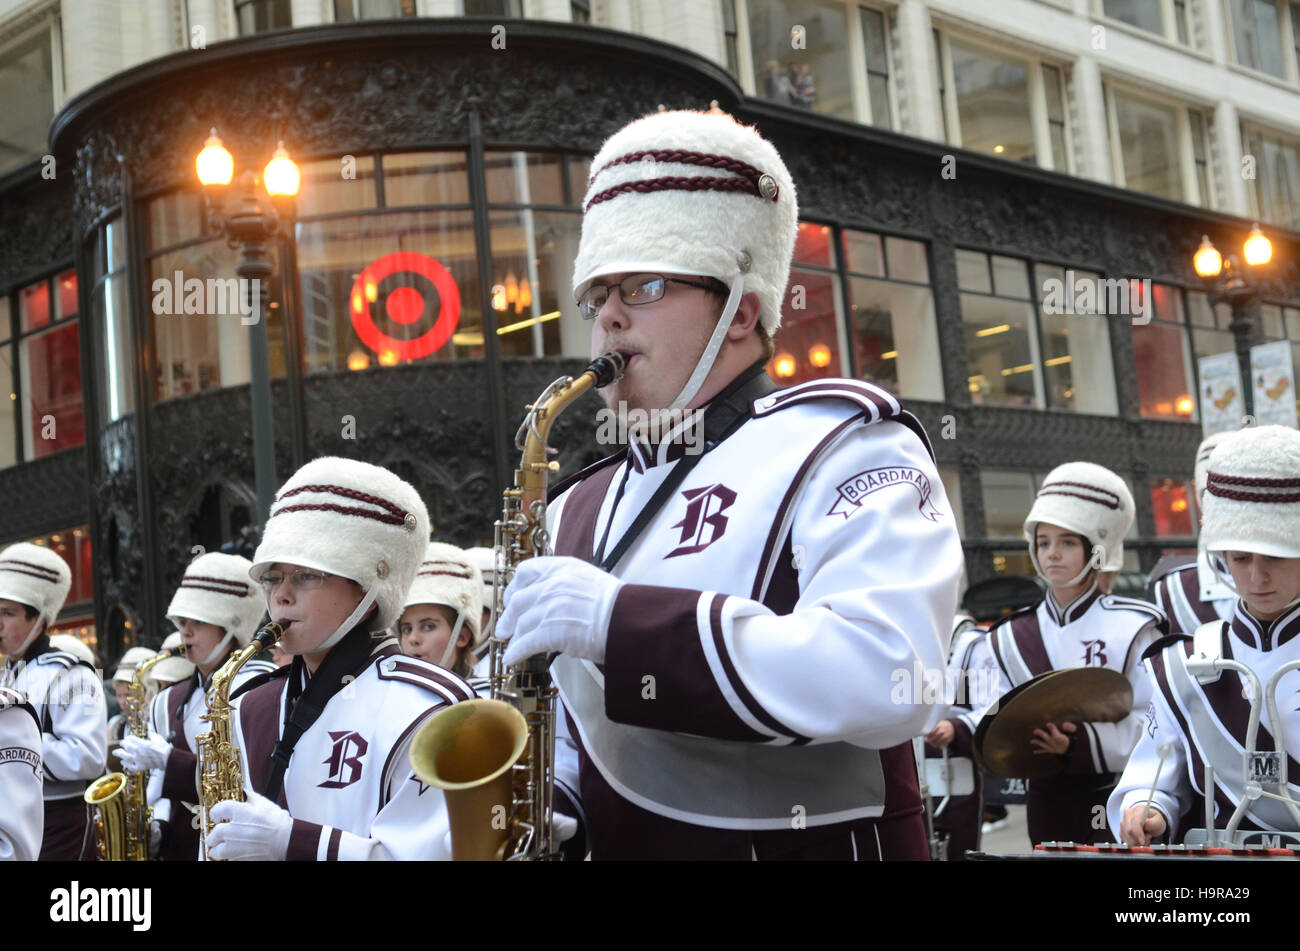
[721, 783]
[1220, 749]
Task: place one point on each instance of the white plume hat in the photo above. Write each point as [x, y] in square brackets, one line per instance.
[173, 669]
[351, 519]
[1252, 493]
[216, 589]
[1087, 499]
[1203, 453]
[132, 659]
[693, 193]
[37, 577]
[448, 577]
[485, 560]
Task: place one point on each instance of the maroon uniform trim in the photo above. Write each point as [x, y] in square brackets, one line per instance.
[447, 686]
[304, 841]
[180, 779]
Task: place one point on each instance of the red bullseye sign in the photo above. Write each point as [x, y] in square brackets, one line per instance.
[405, 305]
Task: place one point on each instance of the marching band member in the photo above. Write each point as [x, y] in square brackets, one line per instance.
[325, 741]
[122, 689]
[216, 608]
[1075, 531]
[65, 691]
[442, 615]
[732, 607]
[1199, 711]
[1192, 593]
[170, 671]
[22, 820]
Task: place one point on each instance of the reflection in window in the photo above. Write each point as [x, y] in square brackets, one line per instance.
[1172, 507]
[1078, 371]
[532, 273]
[1164, 370]
[1001, 346]
[426, 178]
[895, 337]
[334, 185]
[992, 102]
[815, 77]
[1257, 35]
[1275, 192]
[383, 289]
[49, 357]
[259, 16]
[27, 77]
[808, 342]
[1148, 146]
[524, 178]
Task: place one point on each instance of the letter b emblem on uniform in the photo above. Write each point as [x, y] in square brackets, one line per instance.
[704, 523]
[344, 760]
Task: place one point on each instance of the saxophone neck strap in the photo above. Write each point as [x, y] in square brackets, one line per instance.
[303, 706]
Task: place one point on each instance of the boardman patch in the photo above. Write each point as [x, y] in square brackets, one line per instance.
[21, 754]
[852, 491]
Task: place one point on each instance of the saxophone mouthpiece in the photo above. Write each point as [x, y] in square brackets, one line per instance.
[607, 368]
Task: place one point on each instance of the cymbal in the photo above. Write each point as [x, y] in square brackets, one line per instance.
[1078, 694]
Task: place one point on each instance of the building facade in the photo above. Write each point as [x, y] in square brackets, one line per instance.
[957, 165]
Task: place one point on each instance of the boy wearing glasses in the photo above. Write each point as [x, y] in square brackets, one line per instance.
[325, 740]
[216, 610]
[736, 616]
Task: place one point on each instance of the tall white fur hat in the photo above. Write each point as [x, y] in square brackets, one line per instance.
[132, 659]
[485, 560]
[173, 669]
[36, 577]
[1203, 453]
[1090, 500]
[216, 589]
[448, 577]
[1252, 493]
[352, 519]
[691, 193]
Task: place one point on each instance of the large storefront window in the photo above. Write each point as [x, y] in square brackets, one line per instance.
[49, 367]
[199, 324]
[78, 616]
[1001, 343]
[1165, 377]
[809, 342]
[27, 76]
[895, 337]
[1172, 506]
[111, 322]
[8, 397]
[1078, 371]
[814, 76]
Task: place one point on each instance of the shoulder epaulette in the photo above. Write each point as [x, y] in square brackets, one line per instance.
[1018, 612]
[10, 698]
[63, 659]
[420, 673]
[1160, 643]
[1114, 602]
[262, 678]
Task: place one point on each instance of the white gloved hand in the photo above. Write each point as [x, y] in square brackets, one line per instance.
[155, 838]
[563, 828]
[141, 753]
[256, 830]
[558, 604]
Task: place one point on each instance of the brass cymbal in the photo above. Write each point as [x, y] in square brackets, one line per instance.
[1079, 694]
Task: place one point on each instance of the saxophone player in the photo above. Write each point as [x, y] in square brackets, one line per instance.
[325, 740]
[216, 609]
[65, 691]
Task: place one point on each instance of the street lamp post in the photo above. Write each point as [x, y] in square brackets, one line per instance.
[1233, 283]
[249, 228]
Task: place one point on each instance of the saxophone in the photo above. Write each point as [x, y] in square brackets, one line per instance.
[122, 812]
[221, 774]
[494, 759]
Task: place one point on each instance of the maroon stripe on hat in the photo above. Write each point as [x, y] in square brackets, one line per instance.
[37, 571]
[449, 574]
[1215, 482]
[396, 516]
[684, 157]
[677, 183]
[209, 587]
[223, 585]
[1051, 489]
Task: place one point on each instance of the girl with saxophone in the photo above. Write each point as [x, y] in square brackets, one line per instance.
[324, 742]
[216, 609]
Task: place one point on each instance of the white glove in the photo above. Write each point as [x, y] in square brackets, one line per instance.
[256, 830]
[563, 828]
[155, 838]
[558, 604]
[138, 754]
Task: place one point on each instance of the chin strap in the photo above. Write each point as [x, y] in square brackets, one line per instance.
[451, 642]
[353, 619]
[37, 628]
[712, 348]
[1087, 567]
[217, 651]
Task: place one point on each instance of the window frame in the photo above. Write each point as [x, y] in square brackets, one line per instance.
[1288, 39]
[1168, 22]
[1246, 129]
[16, 337]
[1191, 195]
[1033, 61]
[50, 21]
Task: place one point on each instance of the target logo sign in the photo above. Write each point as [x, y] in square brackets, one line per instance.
[405, 303]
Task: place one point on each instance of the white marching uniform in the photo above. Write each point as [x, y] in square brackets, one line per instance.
[349, 785]
[1206, 723]
[1192, 594]
[22, 817]
[800, 564]
[1094, 630]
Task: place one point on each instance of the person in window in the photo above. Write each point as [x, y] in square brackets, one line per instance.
[776, 84]
[1200, 709]
[805, 87]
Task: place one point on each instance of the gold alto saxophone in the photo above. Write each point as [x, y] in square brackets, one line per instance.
[120, 800]
[221, 774]
[494, 759]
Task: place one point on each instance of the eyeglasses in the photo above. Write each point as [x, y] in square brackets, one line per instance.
[302, 579]
[636, 289]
